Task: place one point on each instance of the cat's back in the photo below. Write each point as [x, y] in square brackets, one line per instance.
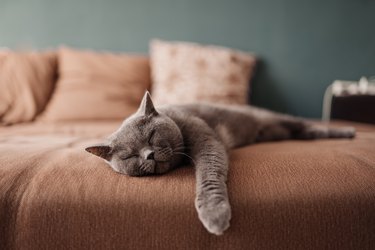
[230, 116]
[232, 123]
[214, 113]
[204, 111]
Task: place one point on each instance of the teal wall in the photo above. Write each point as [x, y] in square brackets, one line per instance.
[304, 45]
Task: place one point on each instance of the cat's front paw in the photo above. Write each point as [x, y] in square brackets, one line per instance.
[215, 216]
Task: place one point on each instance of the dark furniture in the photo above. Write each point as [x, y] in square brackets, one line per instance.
[360, 108]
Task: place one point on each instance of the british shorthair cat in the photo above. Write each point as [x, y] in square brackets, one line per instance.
[154, 141]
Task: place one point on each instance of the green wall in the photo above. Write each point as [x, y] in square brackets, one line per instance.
[304, 45]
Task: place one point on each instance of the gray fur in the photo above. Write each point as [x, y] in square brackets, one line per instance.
[154, 141]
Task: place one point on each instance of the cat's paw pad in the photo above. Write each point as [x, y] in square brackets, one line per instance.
[215, 216]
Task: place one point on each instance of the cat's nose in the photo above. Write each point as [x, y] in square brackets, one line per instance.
[149, 154]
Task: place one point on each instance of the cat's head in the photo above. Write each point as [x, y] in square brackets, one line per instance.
[145, 143]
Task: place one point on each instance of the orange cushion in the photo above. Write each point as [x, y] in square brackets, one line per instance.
[26, 82]
[97, 85]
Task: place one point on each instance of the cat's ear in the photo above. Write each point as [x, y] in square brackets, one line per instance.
[147, 107]
[101, 150]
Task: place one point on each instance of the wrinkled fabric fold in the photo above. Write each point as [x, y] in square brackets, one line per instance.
[27, 80]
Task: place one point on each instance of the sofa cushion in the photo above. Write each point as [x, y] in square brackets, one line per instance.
[97, 85]
[26, 82]
[186, 72]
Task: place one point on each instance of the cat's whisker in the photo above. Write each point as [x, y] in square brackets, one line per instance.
[187, 147]
[178, 148]
[164, 151]
[161, 148]
[180, 153]
[181, 145]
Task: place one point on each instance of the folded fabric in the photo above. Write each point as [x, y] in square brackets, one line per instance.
[26, 82]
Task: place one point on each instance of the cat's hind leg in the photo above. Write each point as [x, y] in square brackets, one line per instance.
[310, 132]
[304, 130]
[288, 127]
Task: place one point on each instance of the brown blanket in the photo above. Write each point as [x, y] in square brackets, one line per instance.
[284, 195]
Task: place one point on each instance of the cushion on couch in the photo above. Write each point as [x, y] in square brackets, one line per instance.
[27, 80]
[186, 72]
[97, 85]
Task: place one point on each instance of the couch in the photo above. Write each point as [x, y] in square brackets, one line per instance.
[284, 195]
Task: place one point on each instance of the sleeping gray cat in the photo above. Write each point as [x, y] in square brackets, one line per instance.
[155, 141]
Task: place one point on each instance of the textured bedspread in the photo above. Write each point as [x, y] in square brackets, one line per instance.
[284, 195]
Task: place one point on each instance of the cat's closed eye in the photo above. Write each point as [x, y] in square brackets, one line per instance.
[151, 137]
[127, 157]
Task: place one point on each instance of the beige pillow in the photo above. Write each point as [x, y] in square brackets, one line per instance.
[186, 72]
[27, 80]
[97, 85]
